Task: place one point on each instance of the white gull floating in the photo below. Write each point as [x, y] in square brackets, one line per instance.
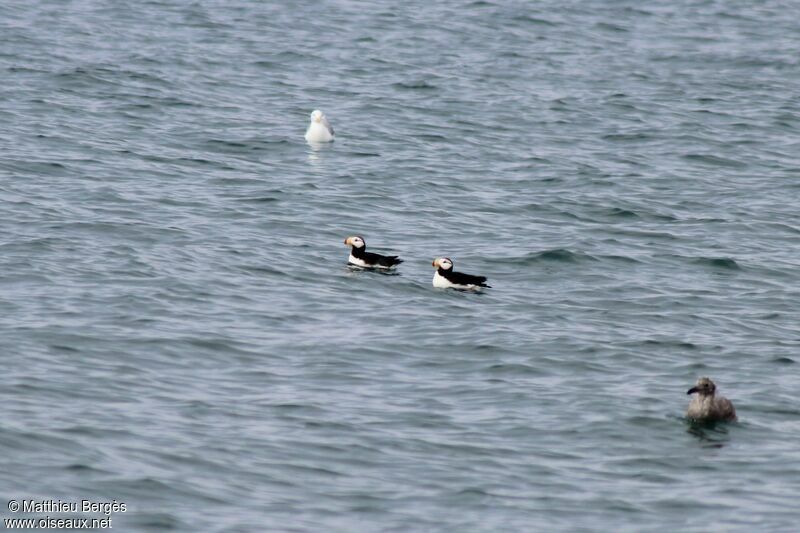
[320, 130]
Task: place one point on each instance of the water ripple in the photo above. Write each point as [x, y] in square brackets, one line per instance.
[179, 324]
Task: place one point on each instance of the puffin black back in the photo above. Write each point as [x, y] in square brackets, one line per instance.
[464, 279]
[382, 260]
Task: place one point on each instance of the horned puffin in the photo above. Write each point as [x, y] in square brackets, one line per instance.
[320, 130]
[446, 278]
[706, 406]
[359, 256]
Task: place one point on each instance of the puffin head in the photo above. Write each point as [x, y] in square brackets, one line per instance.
[703, 387]
[443, 262]
[316, 116]
[355, 241]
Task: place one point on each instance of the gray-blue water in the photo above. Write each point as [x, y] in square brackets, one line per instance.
[179, 330]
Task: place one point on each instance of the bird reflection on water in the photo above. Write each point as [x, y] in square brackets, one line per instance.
[710, 434]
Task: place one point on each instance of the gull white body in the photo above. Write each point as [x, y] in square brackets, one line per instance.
[320, 130]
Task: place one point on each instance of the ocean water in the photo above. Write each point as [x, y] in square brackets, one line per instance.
[179, 330]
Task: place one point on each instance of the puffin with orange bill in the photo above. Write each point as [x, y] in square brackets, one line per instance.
[360, 257]
[446, 278]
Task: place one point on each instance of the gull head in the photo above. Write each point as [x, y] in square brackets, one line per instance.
[317, 116]
[443, 262]
[355, 241]
[703, 387]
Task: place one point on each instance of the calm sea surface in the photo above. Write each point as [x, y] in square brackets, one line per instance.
[179, 330]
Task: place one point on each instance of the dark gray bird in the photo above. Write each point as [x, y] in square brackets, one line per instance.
[706, 406]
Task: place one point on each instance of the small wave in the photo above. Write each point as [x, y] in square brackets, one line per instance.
[611, 27]
[562, 255]
[291, 55]
[556, 255]
[296, 407]
[622, 137]
[63, 348]
[622, 213]
[431, 137]
[670, 343]
[536, 21]
[224, 143]
[621, 258]
[173, 102]
[84, 468]
[714, 160]
[310, 469]
[513, 368]
[717, 262]
[260, 271]
[197, 161]
[421, 85]
[473, 491]
[258, 199]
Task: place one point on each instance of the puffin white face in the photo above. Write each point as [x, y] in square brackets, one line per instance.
[316, 116]
[355, 241]
[443, 262]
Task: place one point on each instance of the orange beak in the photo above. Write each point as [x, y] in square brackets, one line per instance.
[434, 262]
